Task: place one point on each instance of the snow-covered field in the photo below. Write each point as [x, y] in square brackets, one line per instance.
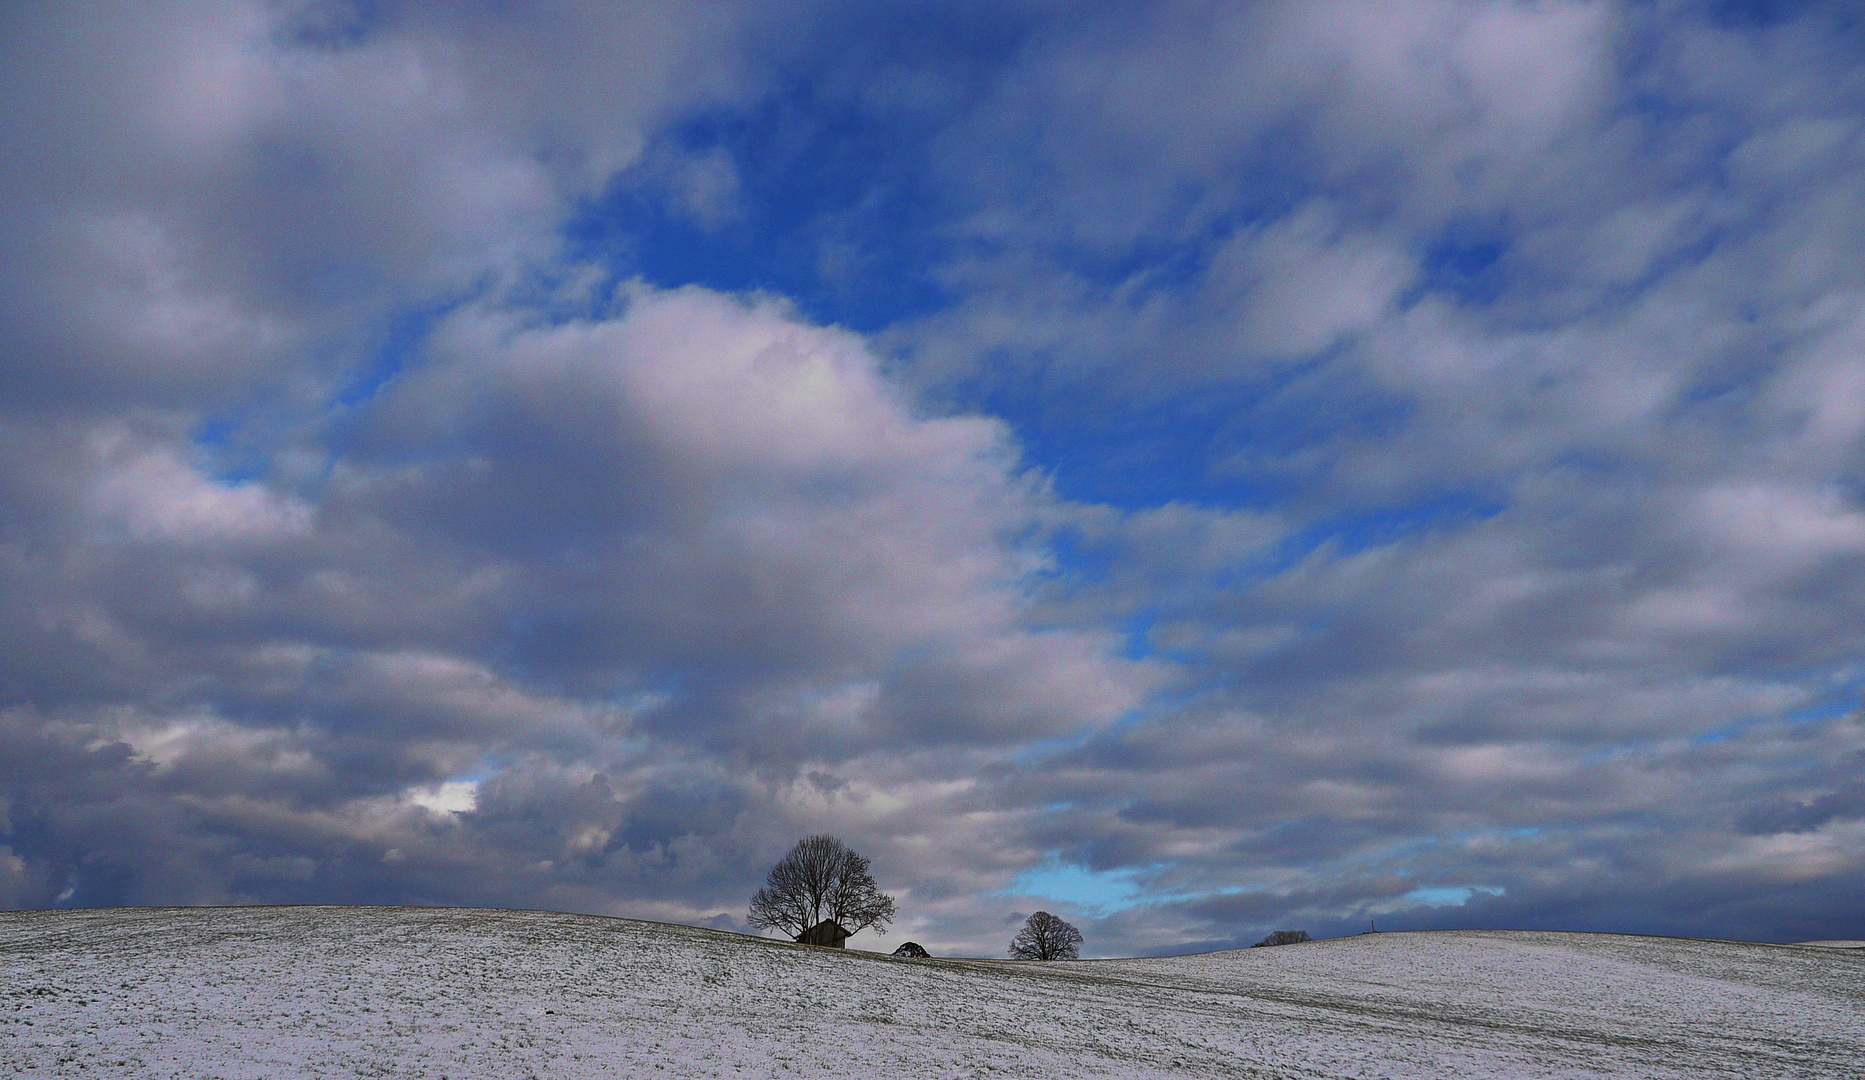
[414, 992]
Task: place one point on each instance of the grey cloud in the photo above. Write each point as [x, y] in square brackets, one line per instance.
[207, 193]
[273, 671]
[763, 556]
[728, 462]
[1661, 551]
[1846, 803]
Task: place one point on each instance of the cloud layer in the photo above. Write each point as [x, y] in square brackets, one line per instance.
[1401, 466]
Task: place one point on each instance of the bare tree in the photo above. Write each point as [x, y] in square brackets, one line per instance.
[1283, 937]
[1046, 937]
[821, 879]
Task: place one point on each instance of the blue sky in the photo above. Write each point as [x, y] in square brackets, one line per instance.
[1198, 468]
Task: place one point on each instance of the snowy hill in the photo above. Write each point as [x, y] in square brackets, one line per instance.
[408, 992]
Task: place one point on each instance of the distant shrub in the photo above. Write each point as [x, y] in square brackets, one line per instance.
[1283, 937]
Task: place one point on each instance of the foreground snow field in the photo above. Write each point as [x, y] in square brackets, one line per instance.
[419, 992]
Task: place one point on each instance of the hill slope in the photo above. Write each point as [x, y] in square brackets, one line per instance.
[272, 992]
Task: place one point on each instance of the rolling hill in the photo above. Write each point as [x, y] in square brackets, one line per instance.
[457, 993]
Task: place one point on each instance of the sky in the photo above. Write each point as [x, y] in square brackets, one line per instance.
[1195, 468]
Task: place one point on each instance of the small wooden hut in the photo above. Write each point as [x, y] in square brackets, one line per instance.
[828, 933]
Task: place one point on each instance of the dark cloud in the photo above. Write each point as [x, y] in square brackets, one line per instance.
[1845, 804]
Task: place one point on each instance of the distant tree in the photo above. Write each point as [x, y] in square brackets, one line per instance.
[1283, 937]
[1046, 937]
[820, 879]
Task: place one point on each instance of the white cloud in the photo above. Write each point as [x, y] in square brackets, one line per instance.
[151, 495]
[452, 797]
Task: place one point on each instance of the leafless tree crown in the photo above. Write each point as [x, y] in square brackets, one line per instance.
[820, 879]
[1046, 937]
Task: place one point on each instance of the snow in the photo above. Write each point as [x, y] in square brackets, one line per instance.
[457, 993]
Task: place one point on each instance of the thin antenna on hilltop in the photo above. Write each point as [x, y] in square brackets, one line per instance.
[1374, 925]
